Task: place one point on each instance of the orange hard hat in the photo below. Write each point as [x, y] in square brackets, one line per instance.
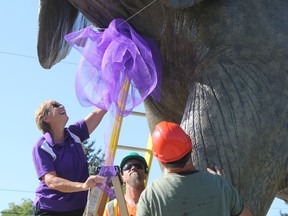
[170, 142]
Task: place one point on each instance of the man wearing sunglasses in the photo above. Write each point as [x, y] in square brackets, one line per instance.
[134, 171]
[184, 190]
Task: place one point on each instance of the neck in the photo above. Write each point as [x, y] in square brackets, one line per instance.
[57, 135]
[132, 195]
[187, 168]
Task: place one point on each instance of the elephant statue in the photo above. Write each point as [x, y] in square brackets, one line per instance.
[224, 78]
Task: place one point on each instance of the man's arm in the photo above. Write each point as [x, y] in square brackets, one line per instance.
[246, 212]
[217, 171]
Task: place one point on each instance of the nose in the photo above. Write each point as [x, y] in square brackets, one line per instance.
[134, 167]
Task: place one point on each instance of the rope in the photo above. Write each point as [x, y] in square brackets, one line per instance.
[137, 12]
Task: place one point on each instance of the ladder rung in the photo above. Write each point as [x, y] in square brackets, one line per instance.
[138, 114]
[133, 148]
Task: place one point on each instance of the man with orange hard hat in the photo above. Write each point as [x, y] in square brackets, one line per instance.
[183, 190]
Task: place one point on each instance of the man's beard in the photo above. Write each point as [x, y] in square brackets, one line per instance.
[135, 180]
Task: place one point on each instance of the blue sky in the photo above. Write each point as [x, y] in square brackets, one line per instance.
[24, 85]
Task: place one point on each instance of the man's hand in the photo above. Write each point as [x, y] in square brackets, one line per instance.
[216, 171]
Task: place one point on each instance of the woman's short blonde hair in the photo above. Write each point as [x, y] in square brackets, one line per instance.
[43, 110]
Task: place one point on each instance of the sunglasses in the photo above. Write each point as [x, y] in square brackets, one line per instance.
[56, 105]
[128, 166]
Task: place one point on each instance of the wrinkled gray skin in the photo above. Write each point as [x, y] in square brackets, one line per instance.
[225, 78]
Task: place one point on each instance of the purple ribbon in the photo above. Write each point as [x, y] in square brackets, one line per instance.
[108, 172]
[110, 57]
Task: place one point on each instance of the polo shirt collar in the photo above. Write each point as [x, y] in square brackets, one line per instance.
[49, 140]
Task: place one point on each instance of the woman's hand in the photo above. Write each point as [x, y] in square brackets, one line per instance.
[93, 181]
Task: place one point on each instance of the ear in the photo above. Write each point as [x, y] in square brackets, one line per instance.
[162, 163]
[123, 178]
[45, 119]
[145, 176]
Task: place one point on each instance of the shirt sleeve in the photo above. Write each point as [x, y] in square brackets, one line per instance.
[236, 204]
[42, 158]
[143, 205]
[80, 129]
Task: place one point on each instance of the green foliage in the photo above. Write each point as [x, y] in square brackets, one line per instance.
[25, 208]
[95, 158]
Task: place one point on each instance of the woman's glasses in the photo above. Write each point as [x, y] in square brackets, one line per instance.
[128, 166]
[56, 105]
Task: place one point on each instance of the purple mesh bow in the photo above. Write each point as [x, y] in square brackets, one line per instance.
[109, 172]
[110, 57]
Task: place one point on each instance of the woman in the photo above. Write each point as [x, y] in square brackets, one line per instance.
[60, 162]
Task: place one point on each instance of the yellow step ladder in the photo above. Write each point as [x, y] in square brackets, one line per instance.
[96, 198]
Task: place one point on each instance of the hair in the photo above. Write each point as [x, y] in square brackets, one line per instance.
[42, 111]
[179, 163]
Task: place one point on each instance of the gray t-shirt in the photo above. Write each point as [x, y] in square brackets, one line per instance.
[195, 193]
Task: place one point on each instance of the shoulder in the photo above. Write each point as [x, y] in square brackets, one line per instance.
[110, 207]
[77, 125]
[214, 179]
[112, 202]
[147, 194]
[210, 176]
[79, 129]
[39, 143]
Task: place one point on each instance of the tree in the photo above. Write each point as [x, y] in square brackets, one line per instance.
[25, 208]
[94, 157]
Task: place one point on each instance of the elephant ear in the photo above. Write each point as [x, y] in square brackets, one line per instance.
[56, 19]
[283, 195]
